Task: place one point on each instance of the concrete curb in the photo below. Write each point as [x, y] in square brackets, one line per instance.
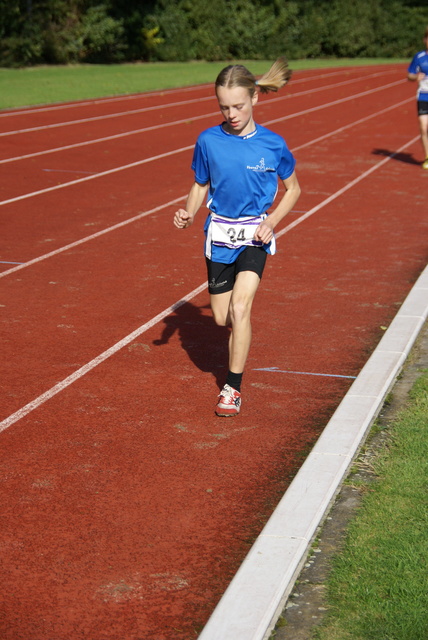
[257, 594]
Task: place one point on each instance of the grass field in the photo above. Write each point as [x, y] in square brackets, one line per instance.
[378, 589]
[45, 84]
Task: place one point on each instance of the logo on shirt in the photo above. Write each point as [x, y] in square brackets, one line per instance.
[261, 166]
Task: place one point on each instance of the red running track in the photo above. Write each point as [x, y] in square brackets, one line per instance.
[127, 505]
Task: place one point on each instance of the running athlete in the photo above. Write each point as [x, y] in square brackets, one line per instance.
[418, 70]
[236, 166]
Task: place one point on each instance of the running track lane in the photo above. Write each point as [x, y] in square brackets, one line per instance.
[151, 171]
[85, 471]
[54, 321]
[153, 120]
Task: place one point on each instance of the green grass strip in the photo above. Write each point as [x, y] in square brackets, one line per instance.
[49, 84]
[378, 589]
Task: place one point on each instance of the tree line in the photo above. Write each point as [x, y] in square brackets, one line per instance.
[88, 31]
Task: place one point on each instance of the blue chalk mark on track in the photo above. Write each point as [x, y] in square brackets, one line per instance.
[305, 373]
[9, 262]
[69, 171]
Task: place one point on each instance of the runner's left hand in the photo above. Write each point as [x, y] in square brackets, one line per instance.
[264, 232]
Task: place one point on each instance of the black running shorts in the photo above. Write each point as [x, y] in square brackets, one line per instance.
[221, 277]
[422, 108]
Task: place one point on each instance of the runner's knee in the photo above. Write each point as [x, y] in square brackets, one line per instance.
[220, 314]
[240, 309]
[221, 319]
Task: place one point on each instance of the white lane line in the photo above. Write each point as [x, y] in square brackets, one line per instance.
[134, 218]
[106, 138]
[177, 122]
[174, 151]
[348, 186]
[140, 96]
[96, 361]
[115, 348]
[119, 114]
[96, 175]
[352, 124]
[184, 121]
[334, 102]
[23, 265]
[106, 116]
[145, 129]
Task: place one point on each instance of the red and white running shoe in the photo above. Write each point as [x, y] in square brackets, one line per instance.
[229, 403]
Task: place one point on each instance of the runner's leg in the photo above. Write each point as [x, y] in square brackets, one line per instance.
[241, 302]
[423, 126]
[220, 303]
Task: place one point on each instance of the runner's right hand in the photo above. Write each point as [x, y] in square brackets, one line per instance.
[183, 219]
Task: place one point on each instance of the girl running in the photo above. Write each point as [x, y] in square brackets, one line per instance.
[418, 70]
[236, 166]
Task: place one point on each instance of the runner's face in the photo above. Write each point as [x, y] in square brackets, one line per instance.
[236, 105]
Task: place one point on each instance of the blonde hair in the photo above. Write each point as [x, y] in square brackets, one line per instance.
[236, 75]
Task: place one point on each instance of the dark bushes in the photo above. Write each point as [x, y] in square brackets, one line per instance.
[68, 31]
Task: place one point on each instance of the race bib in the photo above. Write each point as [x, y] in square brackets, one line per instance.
[227, 232]
[423, 85]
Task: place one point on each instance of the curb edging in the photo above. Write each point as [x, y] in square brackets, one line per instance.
[255, 598]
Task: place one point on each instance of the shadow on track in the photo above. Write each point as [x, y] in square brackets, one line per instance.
[401, 157]
[205, 343]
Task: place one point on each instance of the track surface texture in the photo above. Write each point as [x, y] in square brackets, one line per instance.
[127, 504]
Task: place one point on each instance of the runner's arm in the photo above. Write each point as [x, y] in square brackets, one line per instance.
[264, 231]
[416, 76]
[183, 218]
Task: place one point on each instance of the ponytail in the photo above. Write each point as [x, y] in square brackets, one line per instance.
[277, 76]
[236, 75]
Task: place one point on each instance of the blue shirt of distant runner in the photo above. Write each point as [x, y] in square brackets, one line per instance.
[420, 64]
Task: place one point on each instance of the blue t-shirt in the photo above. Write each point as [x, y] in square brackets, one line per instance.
[420, 63]
[243, 174]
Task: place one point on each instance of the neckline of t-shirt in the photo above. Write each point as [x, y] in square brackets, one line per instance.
[231, 135]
